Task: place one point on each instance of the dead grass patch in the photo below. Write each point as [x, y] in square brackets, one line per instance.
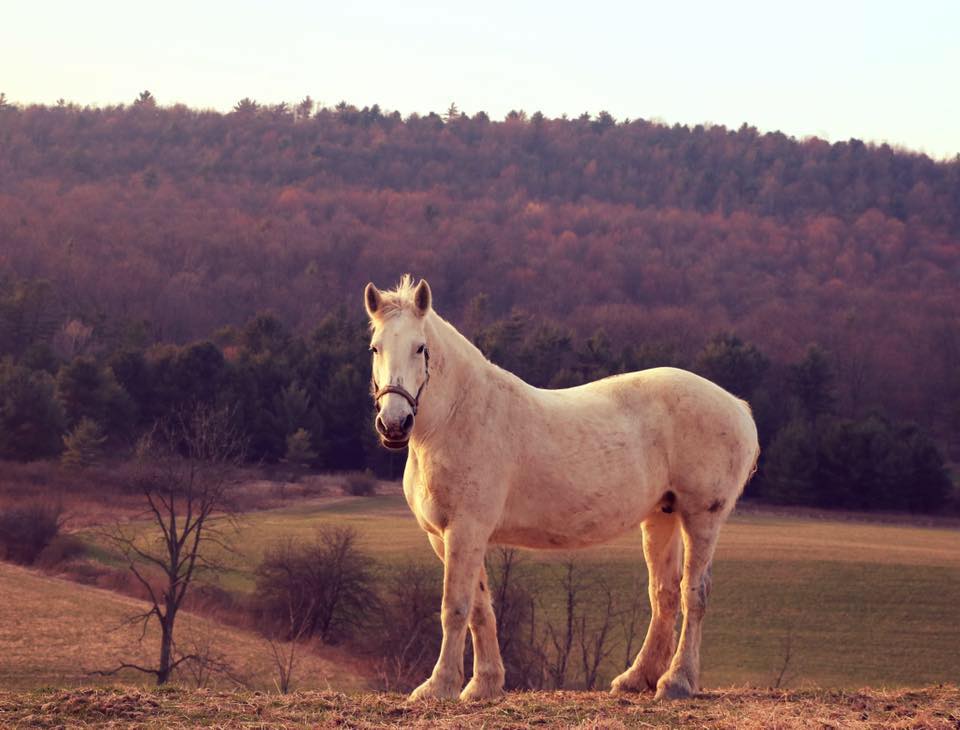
[54, 632]
[933, 708]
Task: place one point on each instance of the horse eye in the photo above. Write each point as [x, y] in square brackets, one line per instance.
[373, 349]
[420, 349]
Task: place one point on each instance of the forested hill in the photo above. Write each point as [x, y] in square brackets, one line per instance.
[193, 219]
[636, 163]
[183, 221]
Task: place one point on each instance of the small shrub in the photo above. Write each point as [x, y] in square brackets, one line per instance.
[25, 531]
[61, 549]
[31, 418]
[325, 588]
[83, 445]
[299, 448]
[360, 484]
[405, 635]
[212, 600]
[83, 571]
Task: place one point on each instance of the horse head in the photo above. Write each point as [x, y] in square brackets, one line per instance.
[400, 356]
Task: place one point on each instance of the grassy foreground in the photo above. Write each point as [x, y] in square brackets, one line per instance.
[935, 707]
[857, 604]
[55, 633]
[829, 602]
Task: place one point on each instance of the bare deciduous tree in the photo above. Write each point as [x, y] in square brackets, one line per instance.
[786, 653]
[206, 661]
[564, 638]
[407, 638]
[562, 633]
[522, 642]
[631, 617]
[593, 634]
[284, 653]
[185, 471]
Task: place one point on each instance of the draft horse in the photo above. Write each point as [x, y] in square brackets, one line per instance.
[493, 460]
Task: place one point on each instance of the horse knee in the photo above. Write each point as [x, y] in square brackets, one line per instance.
[668, 596]
[454, 618]
[696, 595]
[667, 599]
[478, 617]
[482, 607]
[706, 585]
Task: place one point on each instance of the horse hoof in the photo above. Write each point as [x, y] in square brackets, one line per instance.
[673, 688]
[433, 690]
[626, 684]
[481, 690]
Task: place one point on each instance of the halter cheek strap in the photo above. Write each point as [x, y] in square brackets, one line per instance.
[413, 400]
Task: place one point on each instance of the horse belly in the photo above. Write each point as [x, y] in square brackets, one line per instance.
[567, 518]
[595, 479]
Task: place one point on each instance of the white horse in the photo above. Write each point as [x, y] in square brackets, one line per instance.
[493, 460]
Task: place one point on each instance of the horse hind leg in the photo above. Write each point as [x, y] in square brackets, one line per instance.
[700, 532]
[662, 550]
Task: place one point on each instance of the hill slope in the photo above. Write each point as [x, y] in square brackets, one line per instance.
[55, 632]
[886, 594]
[180, 221]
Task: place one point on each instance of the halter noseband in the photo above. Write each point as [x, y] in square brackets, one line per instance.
[413, 400]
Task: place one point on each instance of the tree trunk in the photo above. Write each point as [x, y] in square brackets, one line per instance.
[166, 650]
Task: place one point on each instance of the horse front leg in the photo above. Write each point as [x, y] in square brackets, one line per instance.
[463, 551]
[488, 673]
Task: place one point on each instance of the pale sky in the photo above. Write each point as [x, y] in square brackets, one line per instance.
[879, 71]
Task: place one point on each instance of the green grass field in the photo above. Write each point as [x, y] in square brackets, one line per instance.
[859, 604]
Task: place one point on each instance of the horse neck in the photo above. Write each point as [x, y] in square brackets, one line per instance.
[455, 369]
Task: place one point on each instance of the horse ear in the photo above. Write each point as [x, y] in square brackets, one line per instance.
[372, 299]
[422, 297]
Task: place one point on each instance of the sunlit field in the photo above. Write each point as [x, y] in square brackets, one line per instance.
[824, 602]
[59, 633]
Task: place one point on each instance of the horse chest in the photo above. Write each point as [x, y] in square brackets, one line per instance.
[431, 509]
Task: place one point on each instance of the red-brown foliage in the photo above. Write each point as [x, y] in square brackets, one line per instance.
[189, 220]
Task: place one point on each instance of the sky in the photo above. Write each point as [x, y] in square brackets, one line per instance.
[878, 71]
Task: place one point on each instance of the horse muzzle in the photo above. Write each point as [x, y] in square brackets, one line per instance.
[394, 445]
[395, 435]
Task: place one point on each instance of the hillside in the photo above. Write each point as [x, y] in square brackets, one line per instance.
[922, 709]
[55, 632]
[154, 258]
[886, 594]
[172, 222]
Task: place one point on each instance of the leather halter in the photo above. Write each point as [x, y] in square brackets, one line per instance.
[413, 400]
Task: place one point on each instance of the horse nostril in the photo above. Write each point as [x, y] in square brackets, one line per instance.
[408, 422]
[381, 427]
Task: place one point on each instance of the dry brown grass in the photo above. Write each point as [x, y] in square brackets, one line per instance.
[744, 709]
[54, 633]
[102, 494]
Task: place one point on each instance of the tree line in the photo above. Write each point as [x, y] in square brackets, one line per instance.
[170, 223]
[302, 400]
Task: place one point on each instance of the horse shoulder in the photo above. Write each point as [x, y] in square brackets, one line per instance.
[444, 488]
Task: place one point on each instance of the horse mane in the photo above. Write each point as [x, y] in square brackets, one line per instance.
[395, 301]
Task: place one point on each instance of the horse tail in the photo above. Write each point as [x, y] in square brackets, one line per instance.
[756, 456]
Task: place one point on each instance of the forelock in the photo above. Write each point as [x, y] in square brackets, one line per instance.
[397, 300]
